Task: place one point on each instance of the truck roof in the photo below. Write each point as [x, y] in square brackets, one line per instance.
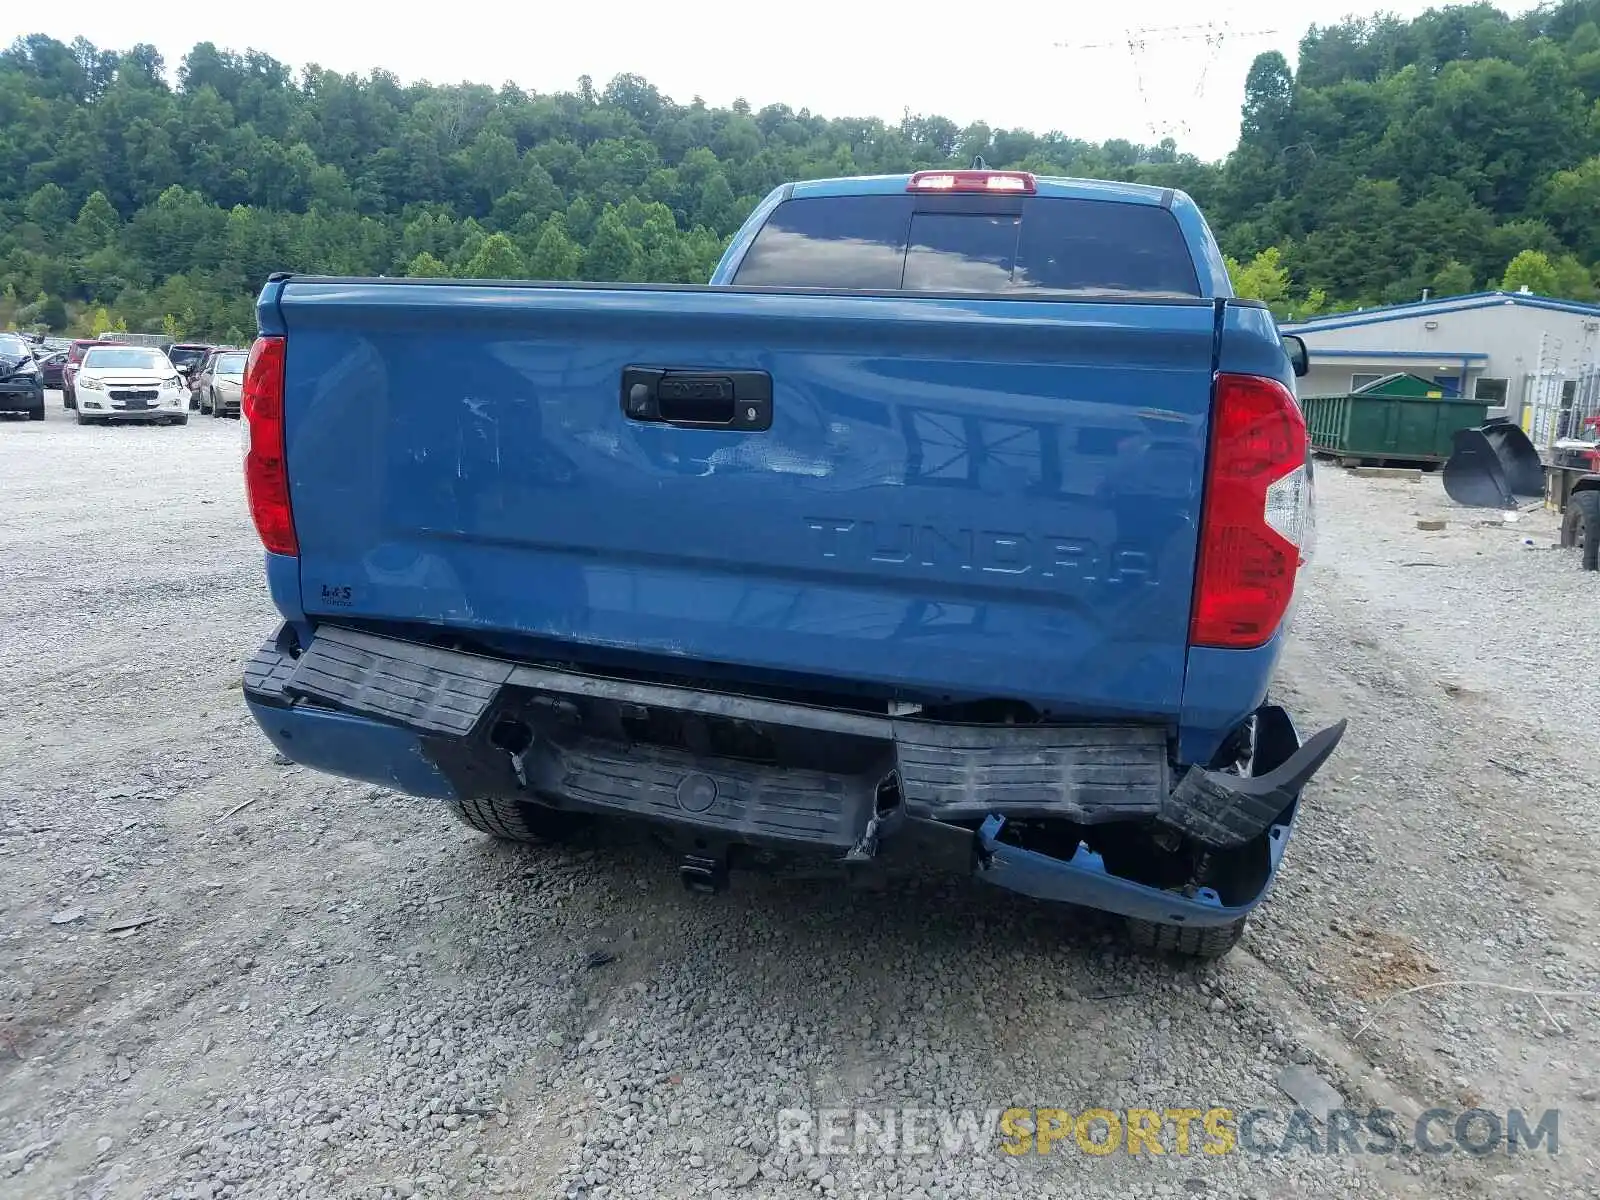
[1048, 185]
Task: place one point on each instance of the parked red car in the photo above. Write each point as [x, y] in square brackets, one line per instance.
[75, 353]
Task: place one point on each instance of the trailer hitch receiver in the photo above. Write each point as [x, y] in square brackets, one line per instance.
[704, 874]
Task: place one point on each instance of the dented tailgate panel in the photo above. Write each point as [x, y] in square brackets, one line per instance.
[949, 497]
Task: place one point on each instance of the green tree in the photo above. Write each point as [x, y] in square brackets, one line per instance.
[1572, 205]
[497, 258]
[1313, 304]
[1264, 278]
[615, 253]
[50, 208]
[49, 312]
[555, 255]
[1453, 279]
[1533, 270]
[97, 226]
[1573, 281]
[1268, 102]
[426, 266]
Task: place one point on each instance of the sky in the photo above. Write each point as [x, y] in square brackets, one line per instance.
[1034, 64]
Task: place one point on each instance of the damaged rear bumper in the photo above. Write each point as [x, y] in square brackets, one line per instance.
[1245, 819]
[1058, 813]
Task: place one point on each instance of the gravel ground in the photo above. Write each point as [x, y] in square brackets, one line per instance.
[339, 992]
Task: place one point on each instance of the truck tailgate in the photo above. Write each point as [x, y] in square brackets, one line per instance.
[946, 497]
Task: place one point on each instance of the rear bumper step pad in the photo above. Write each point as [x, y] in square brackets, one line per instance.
[740, 801]
[423, 688]
[1086, 774]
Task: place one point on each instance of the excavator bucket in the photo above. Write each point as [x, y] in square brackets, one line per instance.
[1493, 466]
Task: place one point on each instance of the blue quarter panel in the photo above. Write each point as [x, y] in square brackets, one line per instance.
[283, 584]
[1223, 687]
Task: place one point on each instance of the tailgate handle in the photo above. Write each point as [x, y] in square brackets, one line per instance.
[735, 400]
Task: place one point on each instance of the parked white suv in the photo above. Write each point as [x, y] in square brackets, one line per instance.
[129, 383]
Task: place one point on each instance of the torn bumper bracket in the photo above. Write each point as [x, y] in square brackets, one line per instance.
[1222, 810]
[1083, 880]
[1217, 809]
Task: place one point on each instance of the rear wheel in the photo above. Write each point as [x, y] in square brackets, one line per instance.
[1185, 941]
[516, 820]
[1581, 527]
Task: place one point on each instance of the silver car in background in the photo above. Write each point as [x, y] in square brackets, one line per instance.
[129, 383]
[217, 388]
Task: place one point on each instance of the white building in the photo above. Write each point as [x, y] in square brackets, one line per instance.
[1494, 346]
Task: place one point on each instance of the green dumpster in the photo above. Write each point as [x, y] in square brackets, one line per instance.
[1400, 416]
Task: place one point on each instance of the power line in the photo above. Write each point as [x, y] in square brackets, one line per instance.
[1214, 34]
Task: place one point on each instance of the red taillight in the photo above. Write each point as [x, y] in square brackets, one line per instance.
[1256, 514]
[266, 470]
[1013, 182]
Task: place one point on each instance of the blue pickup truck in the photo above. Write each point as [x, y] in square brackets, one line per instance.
[957, 520]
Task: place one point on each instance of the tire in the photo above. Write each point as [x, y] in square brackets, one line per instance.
[82, 420]
[515, 820]
[36, 414]
[1185, 941]
[1581, 526]
[183, 420]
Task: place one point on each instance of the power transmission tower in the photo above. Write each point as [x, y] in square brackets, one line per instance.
[1215, 35]
[1213, 32]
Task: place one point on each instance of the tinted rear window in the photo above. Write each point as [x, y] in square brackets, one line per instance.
[857, 243]
[1041, 244]
[962, 252]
